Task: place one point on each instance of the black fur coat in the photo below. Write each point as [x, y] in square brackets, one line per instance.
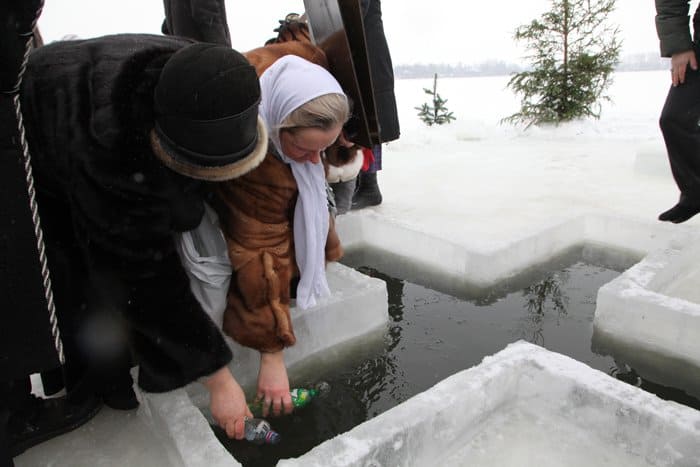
[110, 209]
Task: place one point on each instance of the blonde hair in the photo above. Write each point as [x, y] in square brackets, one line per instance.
[324, 112]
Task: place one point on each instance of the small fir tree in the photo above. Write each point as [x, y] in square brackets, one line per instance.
[573, 52]
[436, 114]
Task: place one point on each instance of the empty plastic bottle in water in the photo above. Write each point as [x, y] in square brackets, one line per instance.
[259, 431]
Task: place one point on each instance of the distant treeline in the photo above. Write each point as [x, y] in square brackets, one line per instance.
[635, 62]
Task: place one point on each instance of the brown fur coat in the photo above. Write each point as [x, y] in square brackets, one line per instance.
[256, 212]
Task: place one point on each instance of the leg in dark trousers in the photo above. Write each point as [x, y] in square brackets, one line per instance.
[94, 334]
[680, 126]
[368, 193]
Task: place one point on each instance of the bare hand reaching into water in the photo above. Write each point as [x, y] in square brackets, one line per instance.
[227, 403]
[273, 384]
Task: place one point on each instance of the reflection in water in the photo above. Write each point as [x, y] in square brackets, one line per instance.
[540, 298]
[383, 377]
[432, 335]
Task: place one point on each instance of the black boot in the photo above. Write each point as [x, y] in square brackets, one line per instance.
[42, 419]
[367, 193]
[29, 420]
[681, 212]
[686, 208]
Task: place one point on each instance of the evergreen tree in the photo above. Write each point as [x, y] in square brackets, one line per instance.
[573, 52]
[436, 114]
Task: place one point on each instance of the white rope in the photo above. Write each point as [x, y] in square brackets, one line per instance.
[38, 232]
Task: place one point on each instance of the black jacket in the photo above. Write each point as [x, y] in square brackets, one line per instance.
[673, 26]
[26, 339]
[382, 70]
[26, 342]
[107, 201]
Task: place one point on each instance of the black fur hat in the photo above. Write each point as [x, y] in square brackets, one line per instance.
[206, 114]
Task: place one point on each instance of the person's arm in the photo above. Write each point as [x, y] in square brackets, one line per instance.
[175, 341]
[273, 384]
[673, 26]
[255, 218]
[258, 317]
[199, 20]
[673, 29]
[130, 246]
[227, 402]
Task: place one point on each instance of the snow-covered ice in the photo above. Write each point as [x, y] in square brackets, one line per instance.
[111, 438]
[524, 406]
[472, 203]
[649, 317]
[475, 202]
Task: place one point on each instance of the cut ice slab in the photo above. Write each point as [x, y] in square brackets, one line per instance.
[524, 406]
[649, 316]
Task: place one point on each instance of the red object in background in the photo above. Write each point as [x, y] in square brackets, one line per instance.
[368, 155]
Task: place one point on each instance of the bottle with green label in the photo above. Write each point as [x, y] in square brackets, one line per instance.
[301, 397]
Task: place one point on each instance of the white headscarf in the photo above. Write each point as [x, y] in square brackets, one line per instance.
[285, 86]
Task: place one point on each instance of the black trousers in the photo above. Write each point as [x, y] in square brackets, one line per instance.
[680, 126]
[95, 336]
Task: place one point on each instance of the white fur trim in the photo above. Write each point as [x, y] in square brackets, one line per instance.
[346, 172]
[214, 174]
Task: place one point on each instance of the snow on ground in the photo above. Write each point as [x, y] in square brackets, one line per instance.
[480, 182]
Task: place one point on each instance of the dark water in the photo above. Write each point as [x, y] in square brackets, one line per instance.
[432, 335]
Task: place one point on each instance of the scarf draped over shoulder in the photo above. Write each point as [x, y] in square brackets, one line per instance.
[286, 85]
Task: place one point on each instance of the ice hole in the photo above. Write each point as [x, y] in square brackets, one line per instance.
[445, 326]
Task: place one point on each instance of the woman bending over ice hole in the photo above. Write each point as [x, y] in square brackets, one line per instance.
[276, 221]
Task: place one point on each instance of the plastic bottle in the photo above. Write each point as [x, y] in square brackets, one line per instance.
[259, 431]
[301, 397]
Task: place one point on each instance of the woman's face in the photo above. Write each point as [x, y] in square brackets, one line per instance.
[306, 144]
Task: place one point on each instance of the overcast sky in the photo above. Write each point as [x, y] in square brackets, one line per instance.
[435, 31]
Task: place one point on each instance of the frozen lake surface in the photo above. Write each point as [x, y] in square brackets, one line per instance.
[483, 202]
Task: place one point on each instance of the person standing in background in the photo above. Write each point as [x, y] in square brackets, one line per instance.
[680, 117]
[367, 192]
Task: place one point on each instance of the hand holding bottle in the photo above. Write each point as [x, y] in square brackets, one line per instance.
[227, 403]
[301, 397]
[273, 384]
